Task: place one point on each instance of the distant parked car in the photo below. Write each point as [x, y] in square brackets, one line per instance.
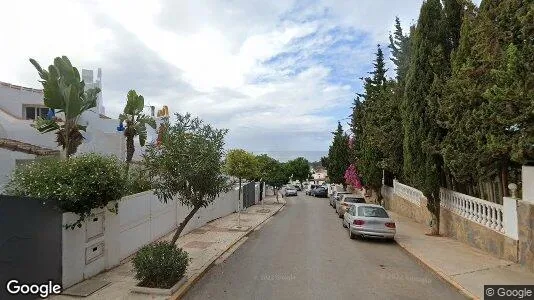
[290, 191]
[335, 196]
[310, 188]
[320, 191]
[369, 220]
[346, 202]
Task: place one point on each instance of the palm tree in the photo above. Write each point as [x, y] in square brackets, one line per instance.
[135, 122]
[64, 92]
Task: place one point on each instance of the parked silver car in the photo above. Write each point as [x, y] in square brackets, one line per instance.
[369, 220]
[335, 196]
[345, 202]
[290, 191]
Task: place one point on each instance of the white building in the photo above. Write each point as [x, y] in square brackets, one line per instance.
[319, 175]
[19, 106]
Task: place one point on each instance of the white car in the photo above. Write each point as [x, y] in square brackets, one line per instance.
[290, 191]
[369, 220]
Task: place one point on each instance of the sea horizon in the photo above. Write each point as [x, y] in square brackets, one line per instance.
[284, 156]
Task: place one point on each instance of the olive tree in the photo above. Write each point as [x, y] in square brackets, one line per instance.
[187, 164]
[242, 165]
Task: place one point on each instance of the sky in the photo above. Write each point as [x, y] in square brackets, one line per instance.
[278, 74]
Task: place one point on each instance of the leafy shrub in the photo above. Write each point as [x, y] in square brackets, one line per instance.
[160, 265]
[78, 184]
[138, 180]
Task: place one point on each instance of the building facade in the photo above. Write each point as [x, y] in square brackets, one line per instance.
[19, 142]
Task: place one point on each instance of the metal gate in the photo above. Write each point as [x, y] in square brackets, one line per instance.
[30, 243]
[249, 192]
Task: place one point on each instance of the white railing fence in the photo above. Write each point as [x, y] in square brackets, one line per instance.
[407, 192]
[480, 211]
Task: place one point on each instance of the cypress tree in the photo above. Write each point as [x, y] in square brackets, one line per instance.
[399, 44]
[489, 109]
[374, 137]
[428, 72]
[338, 156]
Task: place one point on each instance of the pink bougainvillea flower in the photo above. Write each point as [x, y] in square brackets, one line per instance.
[352, 178]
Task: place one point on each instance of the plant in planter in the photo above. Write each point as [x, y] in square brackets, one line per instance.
[160, 265]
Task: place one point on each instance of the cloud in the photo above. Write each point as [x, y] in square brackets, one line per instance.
[278, 74]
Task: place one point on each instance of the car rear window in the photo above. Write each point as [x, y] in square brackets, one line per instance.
[371, 211]
[354, 200]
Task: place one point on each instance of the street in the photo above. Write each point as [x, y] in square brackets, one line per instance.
[303, 252]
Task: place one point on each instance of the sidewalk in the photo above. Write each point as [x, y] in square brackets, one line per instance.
[205, 245]
[466, 268]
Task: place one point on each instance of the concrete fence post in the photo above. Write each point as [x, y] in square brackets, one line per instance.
[527, 176]
[510, 221]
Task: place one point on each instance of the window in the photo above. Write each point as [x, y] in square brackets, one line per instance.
[354, 200]
[371, 211]
[43, 111]
[32, 112]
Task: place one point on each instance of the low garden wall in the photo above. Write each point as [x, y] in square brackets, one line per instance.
[525, 211]
[478, 236]
[406, 201]
[106, 239]
[485, 225]
[488, 226]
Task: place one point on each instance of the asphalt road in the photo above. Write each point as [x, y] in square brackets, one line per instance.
[303, 252]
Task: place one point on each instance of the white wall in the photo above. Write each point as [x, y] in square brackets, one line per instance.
[107, 238]
[7, 164]
[12, 99]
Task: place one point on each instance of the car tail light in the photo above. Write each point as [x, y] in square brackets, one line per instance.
[358, 222]
[345, 204]
[390, 225]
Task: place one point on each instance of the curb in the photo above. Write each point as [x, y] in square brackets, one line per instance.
[439, 273]
[194, 279]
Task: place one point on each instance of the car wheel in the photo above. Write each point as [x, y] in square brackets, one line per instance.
[343, 223]
[340, 216]
[351, 235]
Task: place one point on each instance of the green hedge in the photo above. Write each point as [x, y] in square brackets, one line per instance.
[138, 180]
[160, 265]
[78, 184]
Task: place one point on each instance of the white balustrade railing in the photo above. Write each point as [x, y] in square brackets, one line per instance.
[407, 192]
[480, 211]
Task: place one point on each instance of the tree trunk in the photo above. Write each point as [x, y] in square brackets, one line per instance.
[184, 222]
[433, 208]
[239, 197]
[379, 196]
[130, 148]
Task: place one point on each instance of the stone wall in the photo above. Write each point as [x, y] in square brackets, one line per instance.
[478, 236]
[406, 208]
[525, 212]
